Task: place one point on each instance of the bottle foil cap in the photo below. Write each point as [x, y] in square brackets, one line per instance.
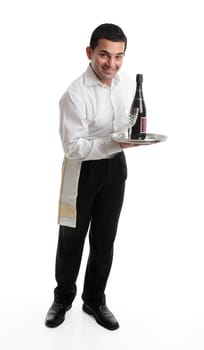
[139, 78]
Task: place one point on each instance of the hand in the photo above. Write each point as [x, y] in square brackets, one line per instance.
[128, 145]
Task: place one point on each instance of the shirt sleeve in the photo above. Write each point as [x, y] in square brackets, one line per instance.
[75, 135]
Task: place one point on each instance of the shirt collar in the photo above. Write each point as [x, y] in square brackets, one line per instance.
[91, 79]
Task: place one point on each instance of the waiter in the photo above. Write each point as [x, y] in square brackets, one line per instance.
[93, 175]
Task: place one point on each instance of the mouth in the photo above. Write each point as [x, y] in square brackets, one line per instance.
[108, 71]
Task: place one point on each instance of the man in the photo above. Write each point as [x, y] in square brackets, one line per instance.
[93, 176]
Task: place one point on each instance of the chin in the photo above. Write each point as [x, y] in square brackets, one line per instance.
[108, 76]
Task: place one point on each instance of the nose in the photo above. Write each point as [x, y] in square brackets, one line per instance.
[110, 61]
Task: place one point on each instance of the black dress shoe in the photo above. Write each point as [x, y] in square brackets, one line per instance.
[102, 315]
[56, 314]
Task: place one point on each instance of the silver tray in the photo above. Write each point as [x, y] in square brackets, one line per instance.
[149, 139]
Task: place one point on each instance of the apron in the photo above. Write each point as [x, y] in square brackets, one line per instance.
[67, 213]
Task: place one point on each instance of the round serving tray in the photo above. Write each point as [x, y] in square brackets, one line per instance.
[149, 139]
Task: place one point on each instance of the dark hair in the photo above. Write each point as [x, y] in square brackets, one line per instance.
[107, 31]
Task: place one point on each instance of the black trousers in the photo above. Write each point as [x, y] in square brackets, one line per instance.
[99, 202]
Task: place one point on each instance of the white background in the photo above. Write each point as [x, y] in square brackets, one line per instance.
[156, 285]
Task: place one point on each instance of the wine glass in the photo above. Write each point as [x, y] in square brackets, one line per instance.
[131, 118]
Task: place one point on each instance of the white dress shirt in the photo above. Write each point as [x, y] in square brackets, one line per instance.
[90, 112]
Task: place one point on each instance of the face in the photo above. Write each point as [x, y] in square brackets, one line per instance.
[106, 59]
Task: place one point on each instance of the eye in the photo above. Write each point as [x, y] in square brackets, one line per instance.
[119, 57]
[103, 55]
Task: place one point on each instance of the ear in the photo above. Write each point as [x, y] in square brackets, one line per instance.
[89, 52]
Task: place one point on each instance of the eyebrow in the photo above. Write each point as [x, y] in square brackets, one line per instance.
[108, 53]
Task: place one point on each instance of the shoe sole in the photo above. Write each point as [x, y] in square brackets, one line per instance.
[91, 312]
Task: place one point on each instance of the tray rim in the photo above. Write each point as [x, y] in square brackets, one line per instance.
[152, 138]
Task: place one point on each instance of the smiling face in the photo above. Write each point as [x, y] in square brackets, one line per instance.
[106, 59]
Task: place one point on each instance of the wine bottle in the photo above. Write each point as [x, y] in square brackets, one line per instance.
[139, 129]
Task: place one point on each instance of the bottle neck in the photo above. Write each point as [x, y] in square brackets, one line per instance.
[139, 90]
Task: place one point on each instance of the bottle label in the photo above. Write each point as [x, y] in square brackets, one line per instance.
[143, 124]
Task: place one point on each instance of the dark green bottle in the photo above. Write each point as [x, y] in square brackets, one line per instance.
[139, 129]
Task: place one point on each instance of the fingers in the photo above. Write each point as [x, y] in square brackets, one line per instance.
[128, 145]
